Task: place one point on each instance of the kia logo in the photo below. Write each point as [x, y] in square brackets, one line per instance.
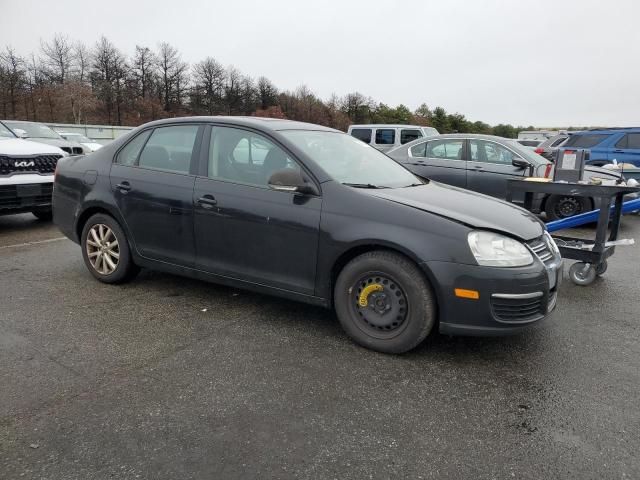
[25, 164]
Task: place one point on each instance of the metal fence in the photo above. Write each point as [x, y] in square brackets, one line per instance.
[99, 133]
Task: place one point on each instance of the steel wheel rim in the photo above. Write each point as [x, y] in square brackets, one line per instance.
[387, 310]
[568, 207]
[103, 249]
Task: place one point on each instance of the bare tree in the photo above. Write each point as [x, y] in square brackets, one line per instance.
[208, 84]
[173, 78]
[267, 92]
[81, 61]
[57, 58]
[232, 90]
[13, 77]
[144, 69]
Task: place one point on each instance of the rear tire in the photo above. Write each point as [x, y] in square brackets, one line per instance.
[46, 215]
[565, 206]
[105, 250]
[384, 303]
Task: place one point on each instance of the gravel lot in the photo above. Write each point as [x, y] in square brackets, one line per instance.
[167, 378]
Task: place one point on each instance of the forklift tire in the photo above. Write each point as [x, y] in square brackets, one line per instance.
[582, 273]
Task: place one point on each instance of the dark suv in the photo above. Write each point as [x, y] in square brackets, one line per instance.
[312, 214]
[608, 144]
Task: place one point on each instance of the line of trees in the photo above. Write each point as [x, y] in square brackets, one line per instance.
[70, 82]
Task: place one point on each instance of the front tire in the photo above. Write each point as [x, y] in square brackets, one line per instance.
[384, 303]
[105, 250]
[565, 206]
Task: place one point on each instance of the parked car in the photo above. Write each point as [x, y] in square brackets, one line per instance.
[321, 218]
[82, 140]
[39, 132]
[607, 144]
[532, 144]
[26, 175]
[550, 146]
[539, 135]
[484, 164]
[386, 137]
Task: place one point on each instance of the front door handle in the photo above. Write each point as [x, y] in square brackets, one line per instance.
[124, 186]
[618, 151]
[207, 201]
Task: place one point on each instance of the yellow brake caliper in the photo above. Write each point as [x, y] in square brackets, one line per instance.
[363, 299]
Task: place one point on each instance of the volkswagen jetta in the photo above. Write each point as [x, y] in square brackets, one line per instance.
[312, 214]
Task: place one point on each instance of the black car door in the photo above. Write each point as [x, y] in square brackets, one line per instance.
[490, 167]
[243, 228]
[441, 160]
[152, 181]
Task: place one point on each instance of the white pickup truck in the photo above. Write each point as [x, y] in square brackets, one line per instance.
[26, 175]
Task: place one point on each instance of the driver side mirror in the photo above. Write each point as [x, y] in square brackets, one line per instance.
[20, 133]
[519, 162]
[290, 180]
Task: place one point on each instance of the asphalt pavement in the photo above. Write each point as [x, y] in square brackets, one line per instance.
[171, 378]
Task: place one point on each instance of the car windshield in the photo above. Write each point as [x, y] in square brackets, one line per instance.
[5, 132]
[526, 153]
[34, 130]
[351, 161]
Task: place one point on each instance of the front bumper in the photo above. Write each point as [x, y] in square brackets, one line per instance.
[510, 299]
[24, 197]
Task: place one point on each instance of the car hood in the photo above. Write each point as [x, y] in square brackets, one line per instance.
[18, 146]
[591, 171]
[470, 208]
[58, 142]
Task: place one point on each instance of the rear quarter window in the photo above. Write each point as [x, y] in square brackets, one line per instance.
[585, 141]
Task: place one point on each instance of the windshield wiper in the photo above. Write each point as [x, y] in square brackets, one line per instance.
[363, 185]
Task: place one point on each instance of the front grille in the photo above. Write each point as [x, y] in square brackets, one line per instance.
[16, 196]
[541, 248]
[515, 310]
[38, 164]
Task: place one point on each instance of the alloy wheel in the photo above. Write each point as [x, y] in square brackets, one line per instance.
[103, 249]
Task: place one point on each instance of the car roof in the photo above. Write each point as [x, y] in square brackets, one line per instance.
[608, 130]
[275, 124]
[386, 125]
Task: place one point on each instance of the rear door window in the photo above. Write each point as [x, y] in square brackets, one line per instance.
[419, 150]
[170, 148]
[448, 149]
[409, 135]
[129, 154]
[585, 141]
[363, 134]
[385, 136]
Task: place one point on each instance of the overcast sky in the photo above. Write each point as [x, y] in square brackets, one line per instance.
[546, 63]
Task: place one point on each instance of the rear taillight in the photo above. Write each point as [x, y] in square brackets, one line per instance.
[547, 170]
[539, 150]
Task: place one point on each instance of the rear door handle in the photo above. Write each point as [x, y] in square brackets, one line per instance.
[207, 201]
[618, 151]
[124, 186]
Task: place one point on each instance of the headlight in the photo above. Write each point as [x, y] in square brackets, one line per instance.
[495, 250]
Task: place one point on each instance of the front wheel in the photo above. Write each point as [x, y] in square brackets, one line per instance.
[106, 251]
[564, 206]
[384, 303]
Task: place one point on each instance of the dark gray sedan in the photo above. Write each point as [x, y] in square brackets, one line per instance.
[484, 163]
